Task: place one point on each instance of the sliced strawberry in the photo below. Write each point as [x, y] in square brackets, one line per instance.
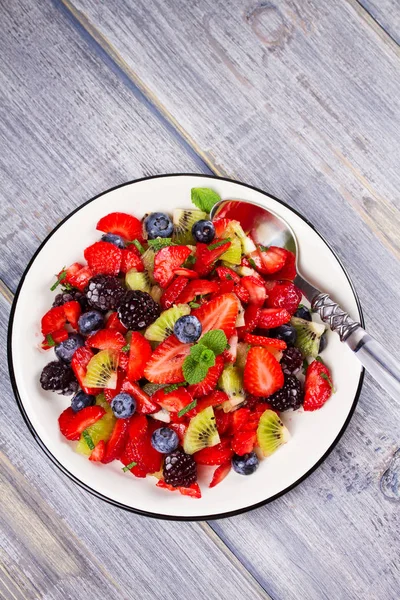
[214, 399]
[173, 401]
[318, 386]
[219, 313]
[254, 261]
[98, 452]
[128, 227]
[260, 340]
[81, 279]
[113, 322]
[251, 319]
[288, 270]
[284, 295]
[193, 490]
[172, 292]
[131, 260]
[137, 427]
[227, 273]
[231, 353]
[58, 336]
[221, 225]
[53, 320]
[165, 364]
[166, 261]
[139, 354]
[223, 421]
[273, 258]
[105, 339]
[220, 473]
[210, 382]
[273, 317]
[189, 273]
[72, 311]
[216, 455]
[140, 450]
[224, 287]
[103, 258]
[71, 271]
[262, 373]
[117, 441]
[205, 258]
[79, 364]
[242, 293]
[180, 429]
[109, 394]
[256, 290]
[240, 418]
[73, 424]
[244, 442]
[197, 287]
[123, 361]
[144, 404]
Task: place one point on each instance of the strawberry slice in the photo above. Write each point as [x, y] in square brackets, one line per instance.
[137, 427]
[117, 441]
[256, 290]
[71, 271]
[219, 313]
[80, 279]
[105, 339]
[173, 401]
[224, 287]
[166, 261]
[227, 273]
[197, 287]
[260, 340]
[216, 397]
[72, 311]
[123, 361]
[221, 225]
[139, 450]
[189, 273]
[262, 373]
[231, 353]
[113, 322]
[273, 258]
[128, 227]
[173, 291]
[193, 491]
[284, 295]
[165, 364]
[98, 452]
[205, 258]
[58, 336]
[72, 424]
[318, 386]
[139, 353]
[53, 320]
[109, 394]
[288, 270]
[144, 404]
[103, 258]
[242, 293]
[131, 260]
[180, 429]
[220, 473]
[251, 319]
[223, 421]
[244, 442]
[216, 455]
[79, 364]
[272, 317]
[210, 381]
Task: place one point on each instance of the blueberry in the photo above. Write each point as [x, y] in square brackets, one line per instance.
[188, 329]
[158, 225]
[164, 440]
[82, 400]
[66, 349]
[303, 313]
[246, 464]
[90, 321]
[123, 406]
[287, 333]
[112, 238]
[323, 342]
[203, 231]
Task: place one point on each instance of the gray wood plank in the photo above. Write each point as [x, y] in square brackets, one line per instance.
[387, 14]
[301, 99]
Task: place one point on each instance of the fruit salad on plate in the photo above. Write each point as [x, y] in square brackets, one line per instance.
[181, 341]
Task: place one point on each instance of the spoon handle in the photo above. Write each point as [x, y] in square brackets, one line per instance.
[383, 367]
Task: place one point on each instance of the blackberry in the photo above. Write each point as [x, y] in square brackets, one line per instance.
[58, 377]
[290, 396]
[292, 361]
[65, 297]
[104, 292]
[180, 469]
[137, 310]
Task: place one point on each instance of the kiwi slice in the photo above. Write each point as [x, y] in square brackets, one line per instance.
[102, 370]
[183, 220]
[148, 261]
[240, 322]
[164, 325]
[271, 432]
[231, 382]
[156, 293]
[101, 430]
[308, 336]
[248, 246]
[233, 256]
[202, 432]
[138, 281]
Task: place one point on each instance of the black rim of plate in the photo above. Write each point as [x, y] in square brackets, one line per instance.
[119, 504]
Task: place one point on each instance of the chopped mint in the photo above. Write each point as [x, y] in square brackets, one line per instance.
[186, 408]
[305, 366]
[328, 379]
[129, 467]
[252, 263]
[191, 259]
[218, 244]
[263, 248]
[60, 278]
[319, 359]
[160, 243]
[126, 348]
[138, 246]
[204, 198]
[173, 387]
[88, 439]
[50, 341]
[215, 340]
[194, 304]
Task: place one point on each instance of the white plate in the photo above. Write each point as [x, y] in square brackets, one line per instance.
[313, 434]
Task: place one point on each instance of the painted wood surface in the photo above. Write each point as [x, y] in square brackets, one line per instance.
[387, 14]
[301, 99]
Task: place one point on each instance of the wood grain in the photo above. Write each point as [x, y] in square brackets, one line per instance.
[387, 14]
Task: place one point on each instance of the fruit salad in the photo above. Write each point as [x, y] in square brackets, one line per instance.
[181, 342]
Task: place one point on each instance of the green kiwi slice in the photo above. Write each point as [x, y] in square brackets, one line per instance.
[202, 432]
[231, 382]
[308, 336]
[101, 430]
[233, 255]
[183, 220]
[148, 261]
[138, 281]
[164, 325]
[271, 432]
[102, 370]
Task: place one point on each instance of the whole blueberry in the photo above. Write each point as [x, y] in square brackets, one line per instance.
[246, 464]
[123, 405]
[164, 440]
[158, 225]
[90, 321]
[82, 400]
[303, 313]
[66, 349]
[287, 333]
[323, 342]
[112, 238]
[203, 231]
[187, 329]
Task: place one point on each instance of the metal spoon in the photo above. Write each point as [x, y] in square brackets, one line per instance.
[267, 228]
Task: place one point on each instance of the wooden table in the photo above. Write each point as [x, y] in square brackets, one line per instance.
[298, 98]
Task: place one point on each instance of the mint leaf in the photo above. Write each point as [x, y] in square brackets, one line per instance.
[186, 408]
[50, 341]
[201, 354]
[319, 359]
[204, 198]
[191, 259]
[328, 379]
[60, 278]
[173, 387]
[194, 304]
[129, 467]
[263, 248]
[218, 244]
[160, 243]
[88, 439]
[252, 263]
[138, 246]
[126, 348]
[305, 366]
[193, 371]
[215, 340]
